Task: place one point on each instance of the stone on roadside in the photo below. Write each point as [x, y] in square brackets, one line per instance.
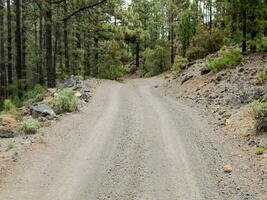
[43, 110]
[78, 94]
[227, 169]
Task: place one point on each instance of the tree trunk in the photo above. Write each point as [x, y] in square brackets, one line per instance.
[41, 42]
[2, 53]
[51, 75]
[244, 28]
[66, 41]
[137, 58]
[23, 50]
[9, 47]
[172, 39]
[18, 48]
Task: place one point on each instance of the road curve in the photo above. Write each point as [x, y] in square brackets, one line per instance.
[128, 143]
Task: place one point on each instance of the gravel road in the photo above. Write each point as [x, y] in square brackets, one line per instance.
[129, 143]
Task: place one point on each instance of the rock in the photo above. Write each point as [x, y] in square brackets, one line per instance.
[204, 71]
[7, 120]
[78, 94]
[167, 76]
[186, 78]
[227, 169]
[261, 125]
[42, 110]
[69, 84]
[47, 100]
[7, 132]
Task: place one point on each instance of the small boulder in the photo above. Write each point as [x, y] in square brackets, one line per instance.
[8, 131]
[47, 100]
[43, 110]
[69, 84]
[261, 125]
[227, 169]
[186, 78]
[204, 71]
[78, 94]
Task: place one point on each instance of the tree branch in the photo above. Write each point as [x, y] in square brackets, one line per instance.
[83, 9]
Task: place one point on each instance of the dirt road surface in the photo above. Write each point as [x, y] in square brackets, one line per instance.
[129, 143]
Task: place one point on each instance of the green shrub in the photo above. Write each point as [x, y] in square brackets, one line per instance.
[226, 59]
[156, 60]
[30, 126]
[179, 64]
[258, 44]
[259, 150]
[33, 95]
[258, 109]
[204, 42]
[110, 63]
[9, 107]
[65, 101]
[262, 46]
[261, 76]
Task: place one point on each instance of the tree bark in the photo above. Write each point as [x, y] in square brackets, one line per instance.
[51, 74]
[66, 41]
[137, 58]
[18, 48]
[23, 50]
[9, 47]
[244, 28]
[41, 42]
[2, 53]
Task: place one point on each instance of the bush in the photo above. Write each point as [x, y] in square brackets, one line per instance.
[156, 60]
[65, 101]
[261, 76]
[259, 150]
[110, 63]
[258, 44]
[9, 107]
[258, 109]
[204, 42]
[179, 64]
[34, 95]
[226, 59]
[30, 126]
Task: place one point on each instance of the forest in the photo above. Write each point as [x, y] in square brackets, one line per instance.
[43, 42]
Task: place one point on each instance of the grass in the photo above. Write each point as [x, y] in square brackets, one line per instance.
[10, 145]
[179, 64]
[9, 107]
[30, 126]
[261, 76]
[259, 150]
[65, 101]
[258, 109]
[33, 95]
[227, 59]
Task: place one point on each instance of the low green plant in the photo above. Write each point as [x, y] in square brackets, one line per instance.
[258, 109]
[9, 107]
[65, 101]
[10, 145]
[30, 126]
[261, 76]
[262, 46]
[259, 150]
[179, 64]
[33, 95]
[227, 59]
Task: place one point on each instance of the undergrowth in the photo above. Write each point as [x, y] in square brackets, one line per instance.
[227, 59]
